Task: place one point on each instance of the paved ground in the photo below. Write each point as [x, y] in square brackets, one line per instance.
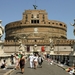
[5, 71]
[45, 70]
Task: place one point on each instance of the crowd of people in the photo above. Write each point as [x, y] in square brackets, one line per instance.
[35, 60]
[17, 59]
[19, 62]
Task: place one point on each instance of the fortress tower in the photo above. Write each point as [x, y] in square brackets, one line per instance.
[36, 29]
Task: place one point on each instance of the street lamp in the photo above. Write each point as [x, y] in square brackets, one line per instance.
[58, 58]
[25, 50]
[15, 43]
[58, 46]
[25, 45]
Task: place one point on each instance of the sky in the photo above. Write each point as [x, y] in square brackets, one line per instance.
[60, 10]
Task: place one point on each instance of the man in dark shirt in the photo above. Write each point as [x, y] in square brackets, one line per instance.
[48, 58]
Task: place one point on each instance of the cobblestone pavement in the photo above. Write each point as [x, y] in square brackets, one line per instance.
[46, 69]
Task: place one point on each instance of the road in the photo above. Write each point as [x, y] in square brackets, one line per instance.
[46, 69]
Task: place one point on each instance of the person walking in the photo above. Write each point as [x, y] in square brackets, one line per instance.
[40, 61]
[31, 61]
[22, 63]
[35, 60]
[17, 59]
[48, 58]
[12, 59]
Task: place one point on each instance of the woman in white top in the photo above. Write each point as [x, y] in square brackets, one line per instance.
[17, 59]
[31, 57]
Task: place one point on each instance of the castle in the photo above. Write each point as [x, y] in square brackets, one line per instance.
[36, 32]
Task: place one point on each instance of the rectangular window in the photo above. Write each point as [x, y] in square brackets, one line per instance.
[37, 15]
[37, 21]
[34, 21]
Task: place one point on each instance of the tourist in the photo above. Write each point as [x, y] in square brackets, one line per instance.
[71, 71]
[48, 58]
[35, 60]
[19, 54]
[40, 60]
[3, 64]
[12, 59]
[31, 61]
[22, 63]
[17, 59]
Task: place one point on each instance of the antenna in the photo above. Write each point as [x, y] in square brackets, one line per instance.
[35, 2]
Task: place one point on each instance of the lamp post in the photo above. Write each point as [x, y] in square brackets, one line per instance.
[58, 47]
[15, 43]
[58, 58]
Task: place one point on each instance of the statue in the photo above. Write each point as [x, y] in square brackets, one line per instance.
[21, 47]
[34, 6]
[51, 43]
[50, 40]
[1, 30]
[51, 46]
[74, 27]
[35, 47]
[1, 34]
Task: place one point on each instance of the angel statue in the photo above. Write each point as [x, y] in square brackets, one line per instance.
[74, 27]
[1, 30]
[51, 43]
[21, 46]
[34, 6]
